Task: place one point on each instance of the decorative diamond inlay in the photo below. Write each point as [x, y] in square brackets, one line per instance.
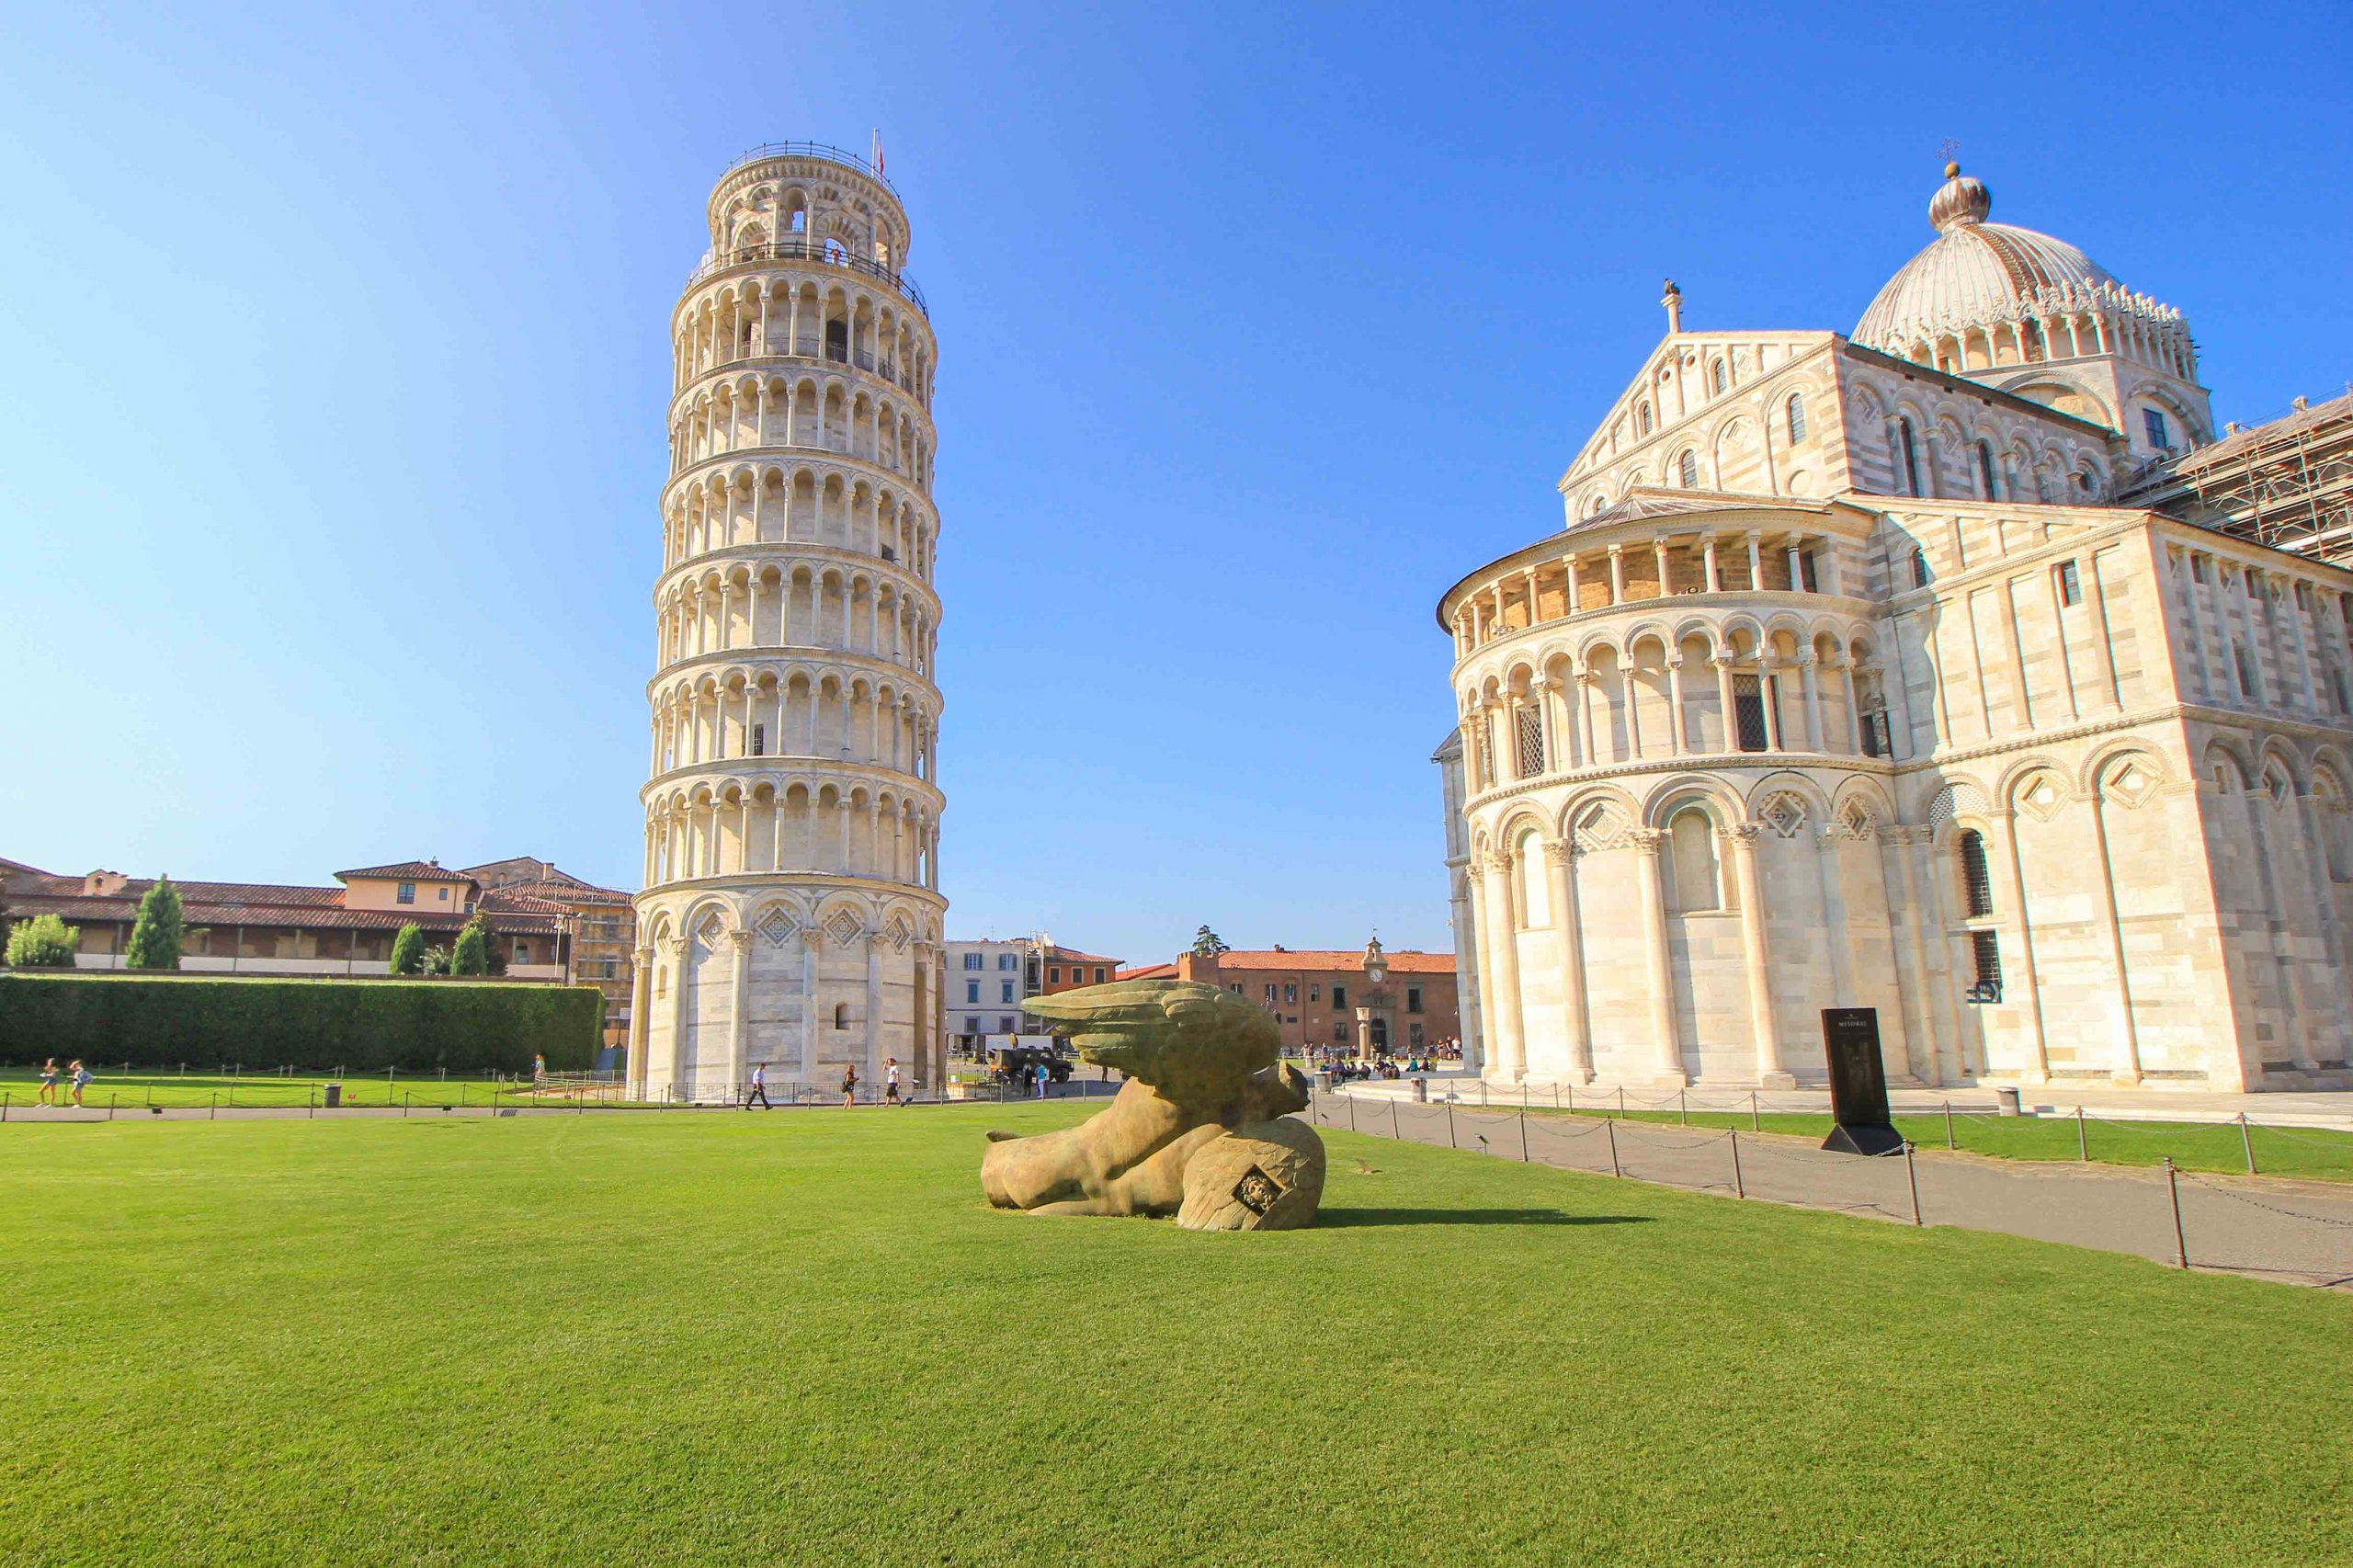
[778, 927]
[1785, 814]
[843, 927]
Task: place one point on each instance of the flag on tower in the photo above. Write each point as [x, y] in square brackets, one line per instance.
[877, 150]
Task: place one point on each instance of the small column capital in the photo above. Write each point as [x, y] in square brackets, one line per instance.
[1743, 834]
[741, 941]
[1646, 840]
[1560, 851]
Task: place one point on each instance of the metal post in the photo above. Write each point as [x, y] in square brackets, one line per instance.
[1912, 1174]
[1572, 1099]
[110, 1105]
[1739, 1187]
[2173, 1186]
[1352, 1112]
[1949, 1143]
[1393, 1122]
[2083, 1144]
[2246, 1141]
[403, 1102]
[1449, 1125]
[1682, 1108]
[311, 1106]
[3, 1106]
[1622, 1099]
[215, 1116]
[1610, 1126]
[1753, 1125]
[1523, 1138]
[1556, 1093]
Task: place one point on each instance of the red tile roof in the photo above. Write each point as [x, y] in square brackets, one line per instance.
[1148, 971]
[1405, 962]
[1072, 955]
[406, 871]
[272, 904]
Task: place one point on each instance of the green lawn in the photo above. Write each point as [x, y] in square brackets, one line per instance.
[804, 1339]
[2310, 1153]
[140, 1088]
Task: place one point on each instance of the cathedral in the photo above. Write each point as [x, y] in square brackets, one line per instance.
[1856, 678]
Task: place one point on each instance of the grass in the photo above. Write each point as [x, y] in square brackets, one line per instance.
[2314, 1153]
[804, 1339]
[142, 1088]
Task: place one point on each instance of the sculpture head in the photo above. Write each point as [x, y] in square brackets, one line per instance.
[1197, 1043]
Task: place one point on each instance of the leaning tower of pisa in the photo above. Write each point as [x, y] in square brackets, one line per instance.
[792, 911]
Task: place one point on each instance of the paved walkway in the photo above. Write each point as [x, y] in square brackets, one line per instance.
[2329, 1109]
[2287, 1230]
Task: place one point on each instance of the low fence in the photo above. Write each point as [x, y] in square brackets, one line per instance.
[2164, 1213]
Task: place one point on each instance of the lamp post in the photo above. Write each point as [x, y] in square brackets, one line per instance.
[1376, 1001]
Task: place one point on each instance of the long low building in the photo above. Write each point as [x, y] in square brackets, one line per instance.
[275, 928]
[1315, 994]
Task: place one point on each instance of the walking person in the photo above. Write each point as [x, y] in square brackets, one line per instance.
[81, 1079]
[1045, 1076]
[891, 1081]
[759, 1087]
[47, 1095]
[849, 1087]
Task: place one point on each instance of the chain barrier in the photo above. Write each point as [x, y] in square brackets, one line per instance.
[2196, 1180]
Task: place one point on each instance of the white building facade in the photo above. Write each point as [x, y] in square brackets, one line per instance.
[1846, 685]
[987, 982]
[792, 917]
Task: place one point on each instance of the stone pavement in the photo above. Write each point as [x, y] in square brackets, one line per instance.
[2287, 1230]
[2291, 1109]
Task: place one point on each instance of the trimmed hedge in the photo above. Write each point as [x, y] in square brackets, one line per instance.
[152, 1021]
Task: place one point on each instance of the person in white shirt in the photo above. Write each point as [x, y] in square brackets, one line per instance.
[759, 1087]
[891, 1081]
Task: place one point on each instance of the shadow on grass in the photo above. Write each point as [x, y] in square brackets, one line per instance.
[1341, 1219]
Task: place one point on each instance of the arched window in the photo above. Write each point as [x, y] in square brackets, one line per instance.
[1717, 377]
[1535, 892]
[1919, 567]
[1985, 471]
[1976, 885]
[1687, 469]
[1642, 418]
[1691, 842]
[1910, 455]
[841, 1014]
[1797, 417]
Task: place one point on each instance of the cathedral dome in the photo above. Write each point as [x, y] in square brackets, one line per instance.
[1978, 276]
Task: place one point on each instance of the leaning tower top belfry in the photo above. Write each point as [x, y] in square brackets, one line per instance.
[792, 911]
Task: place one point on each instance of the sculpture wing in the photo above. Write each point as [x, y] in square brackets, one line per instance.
[1196, 1043]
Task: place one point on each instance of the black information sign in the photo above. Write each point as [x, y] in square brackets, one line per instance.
[1857, 1084]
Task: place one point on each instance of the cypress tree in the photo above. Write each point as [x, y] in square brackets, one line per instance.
[156, 936]
[408, 950]
[471, 955]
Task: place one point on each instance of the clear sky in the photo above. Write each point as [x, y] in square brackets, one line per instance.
[333, 363]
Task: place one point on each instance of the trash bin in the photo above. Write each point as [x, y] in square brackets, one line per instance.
[1421, 1091]
[1322, 1080]
[2006, 1101]
[335, 1095]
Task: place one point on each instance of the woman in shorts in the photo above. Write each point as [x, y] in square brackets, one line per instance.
[47, 1083]
[849, 1087]
[81, 1079]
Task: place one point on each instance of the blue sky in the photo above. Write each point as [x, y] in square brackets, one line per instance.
[333, 355]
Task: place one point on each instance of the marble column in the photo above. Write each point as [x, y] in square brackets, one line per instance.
[1757, 957]
[739, 1024]
[1559, 866]
[640, 988]
[1502, 945]
[1650, 870]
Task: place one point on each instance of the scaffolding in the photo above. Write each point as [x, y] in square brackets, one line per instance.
[2287, 483]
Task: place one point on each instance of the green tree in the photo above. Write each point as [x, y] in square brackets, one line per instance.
[156, 936]
[471, 955]
[436, 959]
[43, 942]
[408, 950]
[1207, 944]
